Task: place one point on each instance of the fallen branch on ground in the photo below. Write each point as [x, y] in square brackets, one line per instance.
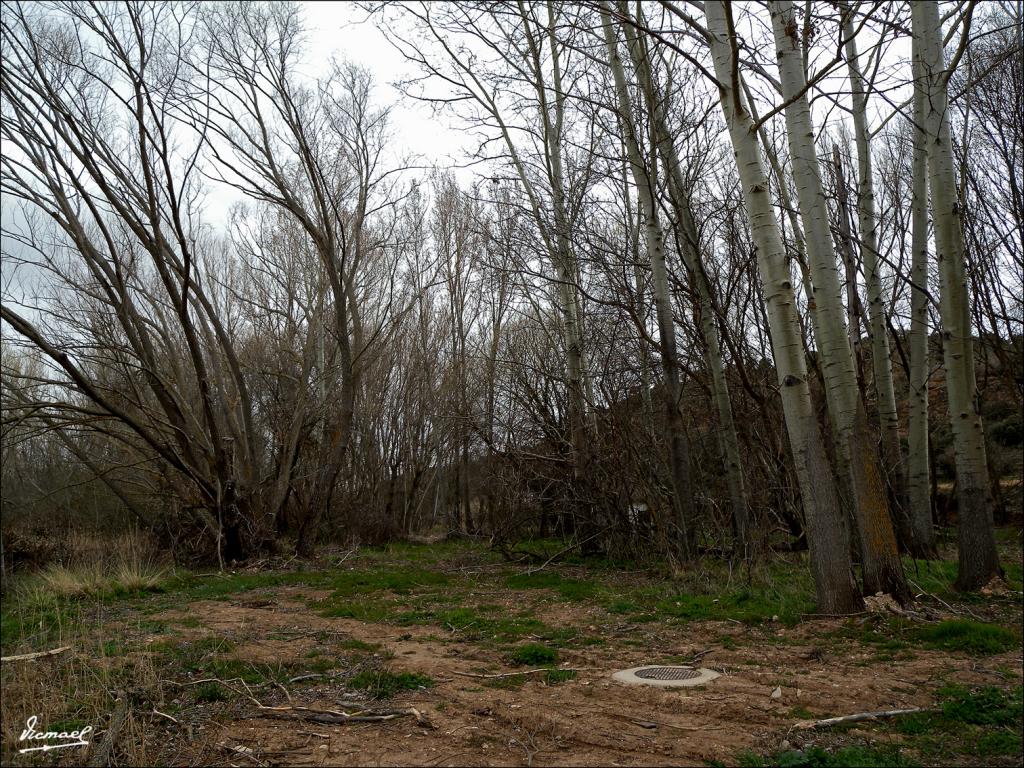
[574, 545]
[339, 717]
[857, 718]
[524, 672]
[305, 677]
[36, 655]
[225, 683]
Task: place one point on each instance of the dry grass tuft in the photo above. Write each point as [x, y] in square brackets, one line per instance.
[95, 579]
[127, 563]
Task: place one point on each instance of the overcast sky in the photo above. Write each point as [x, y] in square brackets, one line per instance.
[333, 29]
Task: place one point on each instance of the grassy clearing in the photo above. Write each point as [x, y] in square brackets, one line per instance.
[497, 607]
[968, 636]
[982, 722]
[217, 657]
[574, 590]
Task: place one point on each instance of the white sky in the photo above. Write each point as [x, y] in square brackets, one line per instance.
[338, 30]
[334, 29]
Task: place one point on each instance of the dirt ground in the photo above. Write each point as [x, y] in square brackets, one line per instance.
[589, 720]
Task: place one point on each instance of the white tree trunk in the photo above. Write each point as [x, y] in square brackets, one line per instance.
[979, 561]
[881, 362]
[882, 569]
[918, 481]
[827, 535]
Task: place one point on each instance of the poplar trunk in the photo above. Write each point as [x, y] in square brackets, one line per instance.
[978, 559]
[881, 566]
[689, 247]
[827, 535]
[881, 362]
[918, 482]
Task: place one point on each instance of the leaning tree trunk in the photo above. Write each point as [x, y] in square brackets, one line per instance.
[877, 327]
[918, 486]
[679, 454]
[827, 535]
[882, 569]
[979, 561]
[844, 475]
[689, 247]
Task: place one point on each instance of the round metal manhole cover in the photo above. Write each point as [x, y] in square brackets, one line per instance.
[665, 677]
[667, 673]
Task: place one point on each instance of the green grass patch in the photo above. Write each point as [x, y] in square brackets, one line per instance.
[398, 580]
[472, 625]
[816, 757]
[221, 586]
[983, 722]
[968, 636]
[37, 618]
[353, 644]
[534, 655]
[983, 706]
[556, 676]
[383, 684]
[369, 611]
[507, 683]
[622, 606]
[751, 606]
[211, 692]
[575, 590]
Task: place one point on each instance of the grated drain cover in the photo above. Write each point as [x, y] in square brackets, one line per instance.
[665, 677]
[667, 673]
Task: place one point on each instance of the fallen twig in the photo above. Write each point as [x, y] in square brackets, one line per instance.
[36, 655]
[857, 718]
[699, 655]
[305, 677]
[339, 717]
[165, 715]
[524, 672]
[949, 607]
[225, 683]
[286, 694]
[574, 545]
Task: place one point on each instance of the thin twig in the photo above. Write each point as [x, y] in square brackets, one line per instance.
[939, 599]
[338, 717]
[165, 715]
[524, 672]
[305, 677]
[546, 563]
